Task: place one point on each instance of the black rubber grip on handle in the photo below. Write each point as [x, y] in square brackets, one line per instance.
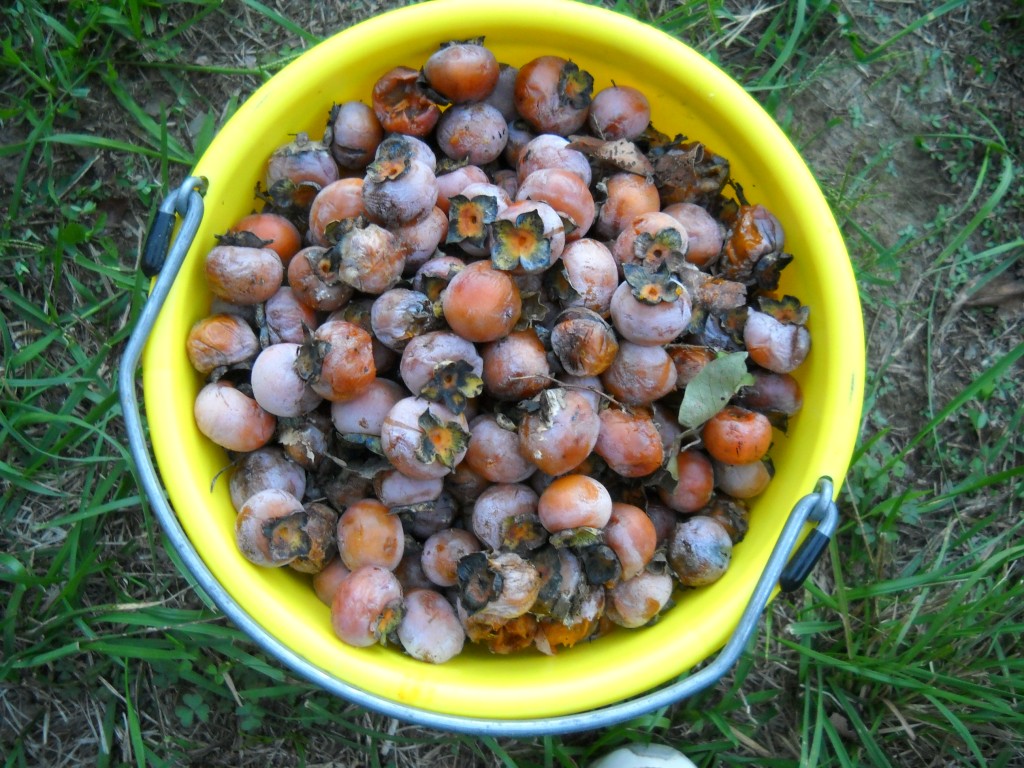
[157, 242]
[803, 561]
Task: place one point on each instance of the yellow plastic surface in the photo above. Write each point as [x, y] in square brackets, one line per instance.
[688, 95]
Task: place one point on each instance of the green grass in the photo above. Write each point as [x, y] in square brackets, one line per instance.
[903, 649]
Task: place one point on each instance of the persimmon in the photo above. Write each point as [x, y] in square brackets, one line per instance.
[481, 303]
[572, 501]
[736, 435]
[280, 234]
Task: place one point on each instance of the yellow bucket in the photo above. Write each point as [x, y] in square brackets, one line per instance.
[688, 95]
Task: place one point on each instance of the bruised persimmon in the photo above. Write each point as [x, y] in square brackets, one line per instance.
[297, 171]
[264, 468]
[587, 276]
[743, 481]
[780, 347]
[629, 441]
[476, 133]
[430, 630]
[256, 523]
[367, 606]
[494, 451]
[700, 551]
[399, 191]
[313, 277]
[583, 342]
[287, 318]
[277, 385]
[635, 602]
[639, 374]
[442, 553]
[505, 517]
[551, 151]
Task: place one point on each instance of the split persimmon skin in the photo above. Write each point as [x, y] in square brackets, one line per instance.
[401, 105]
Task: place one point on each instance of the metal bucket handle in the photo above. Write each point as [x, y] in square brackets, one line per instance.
[781, 569]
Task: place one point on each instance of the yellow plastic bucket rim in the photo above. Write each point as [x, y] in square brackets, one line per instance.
[626, 663]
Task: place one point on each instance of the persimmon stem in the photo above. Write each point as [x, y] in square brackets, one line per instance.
[567, 385]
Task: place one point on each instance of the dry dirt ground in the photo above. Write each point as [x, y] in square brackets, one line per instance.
[869, 130]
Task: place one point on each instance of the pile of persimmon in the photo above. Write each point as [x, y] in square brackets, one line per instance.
[496, 359]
